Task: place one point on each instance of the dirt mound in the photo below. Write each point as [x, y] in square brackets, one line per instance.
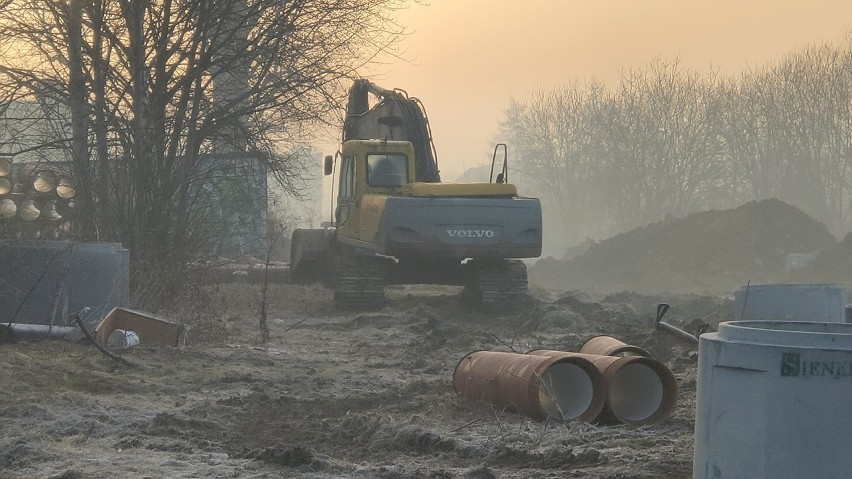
[709, 252]
[833, 265]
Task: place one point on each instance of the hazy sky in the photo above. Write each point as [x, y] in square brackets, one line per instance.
[469, 57]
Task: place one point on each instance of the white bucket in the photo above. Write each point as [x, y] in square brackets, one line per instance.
[773, 401]
[790, 302]
[122, 339]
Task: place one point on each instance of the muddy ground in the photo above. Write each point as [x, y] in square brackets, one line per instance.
[334, 393]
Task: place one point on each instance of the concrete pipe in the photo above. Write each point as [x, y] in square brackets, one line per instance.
[44, 181]
[773, 400]
[609, 346]
[65, 207]
[538, 386]
[791, 302]
[63, 229]
[57, 230]
[640, 390]
[8, 209]
[5, 186]
[49, 213]
[29, 210]
[5, 166]
[65, 188]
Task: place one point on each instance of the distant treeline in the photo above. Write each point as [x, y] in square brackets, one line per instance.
[669, 141]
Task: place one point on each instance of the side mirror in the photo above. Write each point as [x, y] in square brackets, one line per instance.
[328, 165]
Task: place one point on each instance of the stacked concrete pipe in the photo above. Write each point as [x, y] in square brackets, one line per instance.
[36, 201]
[640, 389]
[564, 388]
[640, 380]
[8, 208]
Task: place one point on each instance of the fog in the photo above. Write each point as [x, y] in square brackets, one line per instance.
[468, 61]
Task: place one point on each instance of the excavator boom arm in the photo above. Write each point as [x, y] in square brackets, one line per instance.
[395, 117]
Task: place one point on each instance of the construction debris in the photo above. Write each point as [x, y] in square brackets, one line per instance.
[152, 330]
[41, 331]
[100, 346]
[659, 325]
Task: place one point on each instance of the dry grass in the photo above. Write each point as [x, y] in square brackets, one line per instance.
[333, 394]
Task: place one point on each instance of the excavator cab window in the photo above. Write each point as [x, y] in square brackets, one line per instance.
[387, 170]
[346, 194]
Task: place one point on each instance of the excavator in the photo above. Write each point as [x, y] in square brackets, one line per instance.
[395, 222]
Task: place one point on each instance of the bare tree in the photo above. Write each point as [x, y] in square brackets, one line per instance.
[614, 161]
[667, 146]
[552, 133]
[788, 132]
[815, 90]
[668, 141]
[151, 89]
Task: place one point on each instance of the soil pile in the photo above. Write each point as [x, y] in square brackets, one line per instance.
[713, 251]
[833, 265]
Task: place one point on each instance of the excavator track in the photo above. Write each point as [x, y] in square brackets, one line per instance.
[499, 285]
[359, 281]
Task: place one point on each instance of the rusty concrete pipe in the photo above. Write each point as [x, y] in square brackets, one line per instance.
[29, 210]
[640, 390]
[44, 181]
[538, 386]
[48, 212]
[8, 209]
[5, 166]
[66, 207]
[65, 188]
[609, 346]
